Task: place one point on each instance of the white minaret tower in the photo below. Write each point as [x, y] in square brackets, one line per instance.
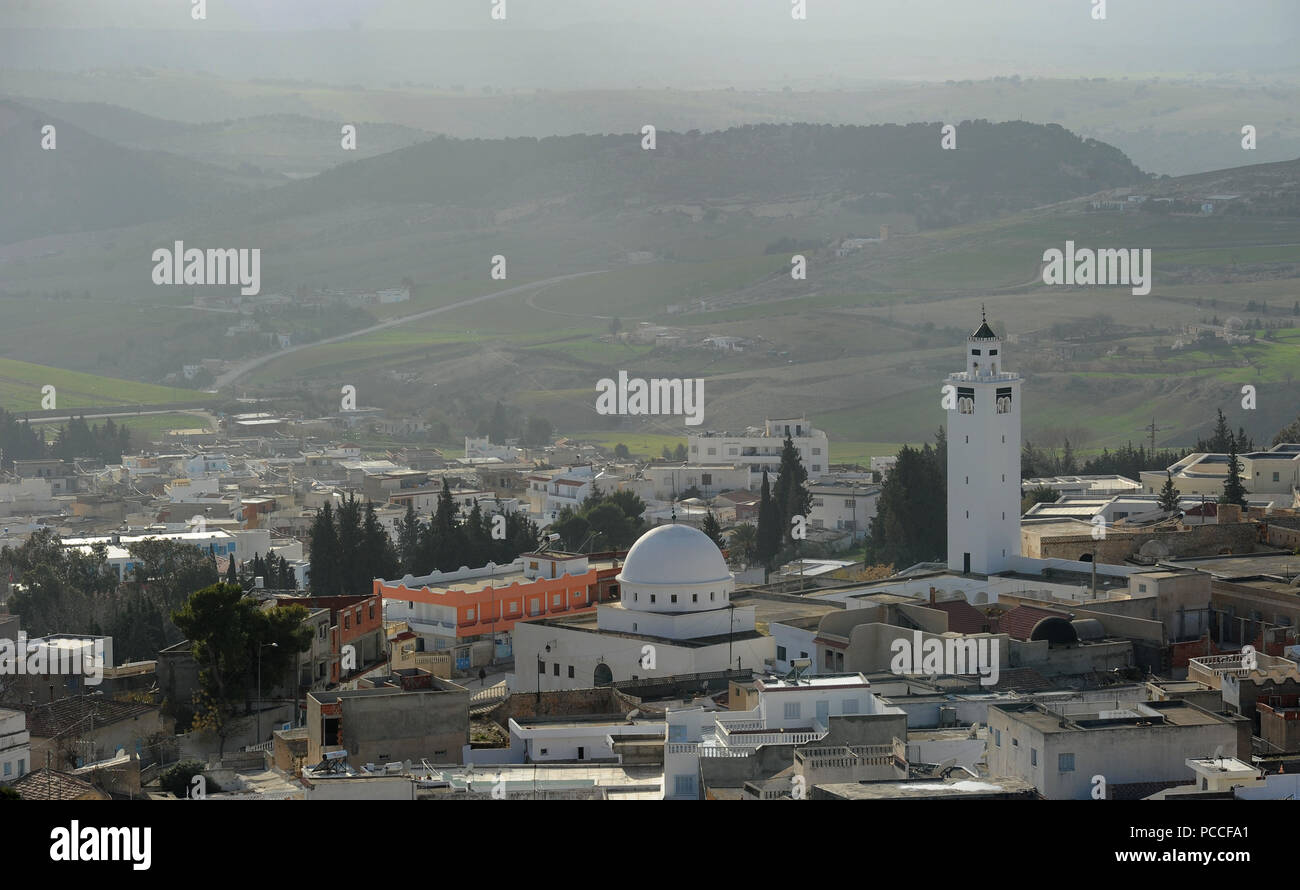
[983, 459]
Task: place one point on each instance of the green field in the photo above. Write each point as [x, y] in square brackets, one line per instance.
[21, 383]
[144, 428]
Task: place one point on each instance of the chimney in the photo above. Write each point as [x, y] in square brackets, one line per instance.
[932, 596]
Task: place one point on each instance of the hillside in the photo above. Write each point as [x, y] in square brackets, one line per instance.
[87, 183]
[997, 168]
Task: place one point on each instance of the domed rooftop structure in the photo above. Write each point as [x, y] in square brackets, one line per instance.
[674, 555]
[675, 569]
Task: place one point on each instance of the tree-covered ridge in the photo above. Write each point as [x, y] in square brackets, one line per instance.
[997, 167]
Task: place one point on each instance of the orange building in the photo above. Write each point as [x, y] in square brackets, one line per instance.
[444, 608]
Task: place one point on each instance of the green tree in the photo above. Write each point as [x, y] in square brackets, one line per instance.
[1168, 500]
[408, 539]
[911, 513]
[227, 630]
[711, 527]
[744, 540]
[324, 548]
[790, 492]
[1234, 491]
[770, 532]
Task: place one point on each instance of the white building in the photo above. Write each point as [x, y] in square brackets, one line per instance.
[983, 406]
[549, 493]
[1274, 472]
[675, 617]
[789, 712]
[481, 447]
[761, 449]
[15, 746]
[843, 507]
[1061, 747]
[667, 482]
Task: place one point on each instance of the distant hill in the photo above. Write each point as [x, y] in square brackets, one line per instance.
[272, 145]
[996, 168]
[87, 183]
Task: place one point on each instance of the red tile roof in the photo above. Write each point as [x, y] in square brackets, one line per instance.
[964, 618]
[1020, 622]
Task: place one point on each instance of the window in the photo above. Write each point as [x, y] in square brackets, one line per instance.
[975, 352]
[543, 750]
[410, 605]
[676, 733]
[819, 451]
[830, 659]
[1004, 477]
[1065, 763]
[9, 768]
[674, 596]
[1275, 479]
[710, 596]
[848, 502]
[1033, 757]
[1015, 742]
[22, 766]
[849, 706]
[1142, 588]
[684, 786]
[469, 614]
[570, 672]
[372, 611]
[993, 352]
[652, 597]
[695, 597]
[541, 666]
[968, 480]
[997, 737]
[780, 653]
[792, 710]
[347, 622]
[556, 666]
[706, 478]
[323, 629]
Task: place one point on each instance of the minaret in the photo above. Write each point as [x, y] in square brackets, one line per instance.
[983, 459]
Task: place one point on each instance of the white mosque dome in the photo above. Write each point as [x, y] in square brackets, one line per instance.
[677, 556]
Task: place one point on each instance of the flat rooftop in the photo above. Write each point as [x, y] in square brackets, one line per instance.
[1242, 565]
[1095, 716]
[504, 578]
[932, 789]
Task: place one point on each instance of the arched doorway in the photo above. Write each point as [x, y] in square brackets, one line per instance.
[603, 676]
[1087, 557]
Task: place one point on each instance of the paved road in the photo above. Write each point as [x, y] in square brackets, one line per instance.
[245, 367]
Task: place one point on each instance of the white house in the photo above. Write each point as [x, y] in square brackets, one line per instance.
[789, 712]
[15, 746]
[761, 449]
[843, 507]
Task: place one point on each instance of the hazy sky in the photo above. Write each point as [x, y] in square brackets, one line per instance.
[625, 43]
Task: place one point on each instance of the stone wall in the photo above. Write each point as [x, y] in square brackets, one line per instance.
[1119, 545]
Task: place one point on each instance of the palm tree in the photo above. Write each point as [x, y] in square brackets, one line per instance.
[744, 541]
